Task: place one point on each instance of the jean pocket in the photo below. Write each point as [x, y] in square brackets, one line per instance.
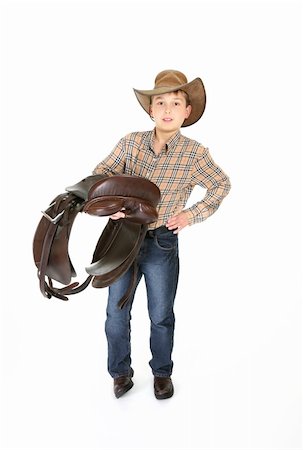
[166, 241]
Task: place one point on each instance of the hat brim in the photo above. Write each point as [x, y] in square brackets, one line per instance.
[195, 90]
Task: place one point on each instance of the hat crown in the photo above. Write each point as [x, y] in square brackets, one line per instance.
[170, 78]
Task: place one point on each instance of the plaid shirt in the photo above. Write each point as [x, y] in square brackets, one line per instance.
[180, 166]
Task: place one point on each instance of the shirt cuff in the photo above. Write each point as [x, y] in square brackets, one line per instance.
[194, 215]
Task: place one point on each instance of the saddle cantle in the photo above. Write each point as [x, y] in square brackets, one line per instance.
[119, 243]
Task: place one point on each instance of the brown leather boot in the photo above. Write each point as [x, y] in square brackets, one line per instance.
[163, 387]
[122, 385]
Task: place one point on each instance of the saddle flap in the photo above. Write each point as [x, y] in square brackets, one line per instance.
[114, 251]
[101, 281]
[50, 244]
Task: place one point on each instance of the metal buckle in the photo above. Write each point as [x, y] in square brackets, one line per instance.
[55, 219]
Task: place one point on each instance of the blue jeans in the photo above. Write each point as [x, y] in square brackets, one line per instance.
[158, 261]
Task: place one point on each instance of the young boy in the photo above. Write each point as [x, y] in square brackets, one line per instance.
[175, 164]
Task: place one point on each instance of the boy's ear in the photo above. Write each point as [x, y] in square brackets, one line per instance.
[188, 109]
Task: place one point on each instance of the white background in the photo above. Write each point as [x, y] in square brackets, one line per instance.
[67, 73]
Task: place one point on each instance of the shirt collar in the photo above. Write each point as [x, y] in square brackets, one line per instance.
[170, 145]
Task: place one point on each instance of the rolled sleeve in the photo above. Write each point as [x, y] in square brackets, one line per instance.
[207, 174]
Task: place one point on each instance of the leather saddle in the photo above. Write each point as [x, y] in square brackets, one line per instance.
[118, 244]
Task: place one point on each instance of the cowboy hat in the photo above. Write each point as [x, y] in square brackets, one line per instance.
[172, 81]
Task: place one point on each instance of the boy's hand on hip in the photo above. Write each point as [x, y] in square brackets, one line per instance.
[178, 222]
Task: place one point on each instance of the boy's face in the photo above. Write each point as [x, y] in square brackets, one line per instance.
[169, 110]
